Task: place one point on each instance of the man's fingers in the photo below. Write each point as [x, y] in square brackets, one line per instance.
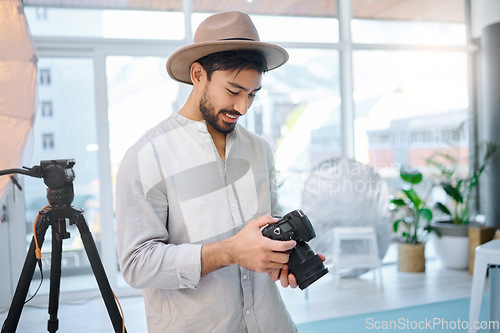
[287, 279]
[281, 246]
[274, 266]
[274, 274]
[279, 257]
[284, 276]
[265, 220]
[292, 281]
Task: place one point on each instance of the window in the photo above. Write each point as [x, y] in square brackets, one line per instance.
[136, 83]
[41, 14]
[281, 21]
[409, 22]
[410, 97]
[301, 106]
[46, 109]
[45, 77]
[48, 141]
[105, 23]
[75, 131]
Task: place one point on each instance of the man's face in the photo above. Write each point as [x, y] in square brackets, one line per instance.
[227, 96]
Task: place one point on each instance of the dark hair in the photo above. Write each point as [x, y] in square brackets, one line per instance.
[233, 60]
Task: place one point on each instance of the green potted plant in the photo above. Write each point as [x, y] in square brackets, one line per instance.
[412, 223]
[453, 247]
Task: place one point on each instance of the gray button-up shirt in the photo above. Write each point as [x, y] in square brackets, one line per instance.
[173, 194]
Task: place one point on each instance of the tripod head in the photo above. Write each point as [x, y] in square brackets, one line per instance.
[58, 175]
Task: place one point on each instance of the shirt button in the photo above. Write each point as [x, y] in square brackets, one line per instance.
[207, 140]
[233, 204]
[245, 276]
[247, 312]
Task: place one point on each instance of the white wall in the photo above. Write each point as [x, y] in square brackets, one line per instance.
[12, 251]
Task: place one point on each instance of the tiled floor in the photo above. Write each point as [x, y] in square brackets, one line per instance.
[363, 295]
[325, 300]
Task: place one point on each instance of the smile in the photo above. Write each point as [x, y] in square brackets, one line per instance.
[230, 118]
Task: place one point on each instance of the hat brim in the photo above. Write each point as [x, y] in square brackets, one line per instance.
[179, 63]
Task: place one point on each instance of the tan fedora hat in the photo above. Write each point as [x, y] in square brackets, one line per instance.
[222, 32]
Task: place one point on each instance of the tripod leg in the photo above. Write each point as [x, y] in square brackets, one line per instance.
[16, 307]
[100, 274]
[55, 277]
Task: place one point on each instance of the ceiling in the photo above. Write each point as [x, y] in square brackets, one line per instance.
[407, 10]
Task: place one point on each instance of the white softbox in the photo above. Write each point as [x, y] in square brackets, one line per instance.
[17, 86]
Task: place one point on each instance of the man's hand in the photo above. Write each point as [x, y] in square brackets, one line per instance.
[256, 252]
[248, 248]
[287, 279]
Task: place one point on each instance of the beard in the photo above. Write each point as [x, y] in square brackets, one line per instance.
[212, 117]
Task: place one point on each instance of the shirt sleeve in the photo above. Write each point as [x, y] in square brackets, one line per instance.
[146, 258]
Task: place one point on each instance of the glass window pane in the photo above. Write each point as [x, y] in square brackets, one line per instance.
[410, 22]
[298, 111]
[408, 33]
[317, 8]
[140, 95]
[69, 133]
[168, 5]
[406, 105]
[47, 21]
[297, 29]
[290, 21]
[288, 29]
[410, 10]
[142, 24]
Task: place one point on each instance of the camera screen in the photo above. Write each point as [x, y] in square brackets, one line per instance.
[285, 227]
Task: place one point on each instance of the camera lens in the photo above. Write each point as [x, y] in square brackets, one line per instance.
[305, 265]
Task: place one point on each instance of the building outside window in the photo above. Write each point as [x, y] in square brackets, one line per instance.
[410, 81]
[69, 134]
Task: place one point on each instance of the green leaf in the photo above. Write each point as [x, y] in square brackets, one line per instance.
[414, 198]
[447, 169]
[443, 208]
[411, 176]
[453, 191]
[426, 214]
[395, 225]
[398, 202]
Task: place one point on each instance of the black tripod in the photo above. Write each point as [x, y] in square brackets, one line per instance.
[57, 173]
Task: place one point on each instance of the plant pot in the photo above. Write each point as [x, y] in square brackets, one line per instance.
[478, 236]
[411, 257]
[452, 248]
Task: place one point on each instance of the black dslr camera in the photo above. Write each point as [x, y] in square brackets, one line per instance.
[303, 262]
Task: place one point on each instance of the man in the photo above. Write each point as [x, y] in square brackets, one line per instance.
[194, 192]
